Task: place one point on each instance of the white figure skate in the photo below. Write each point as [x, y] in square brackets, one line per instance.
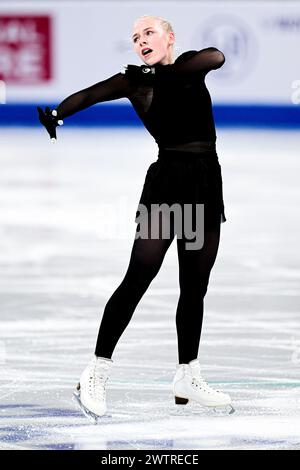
[91, 394]
[188, 384]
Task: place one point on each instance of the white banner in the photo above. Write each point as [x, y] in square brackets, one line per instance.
[89, 41]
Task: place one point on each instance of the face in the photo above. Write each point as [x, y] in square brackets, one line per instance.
[148, 32]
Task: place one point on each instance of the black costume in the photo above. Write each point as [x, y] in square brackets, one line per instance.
[175, 107]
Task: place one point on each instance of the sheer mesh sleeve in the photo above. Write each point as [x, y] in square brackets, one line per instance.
[199, 61]
[112, 88]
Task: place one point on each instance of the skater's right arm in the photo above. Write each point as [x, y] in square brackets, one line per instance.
[112, 88]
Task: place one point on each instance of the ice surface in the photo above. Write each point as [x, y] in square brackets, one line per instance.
[66, 232]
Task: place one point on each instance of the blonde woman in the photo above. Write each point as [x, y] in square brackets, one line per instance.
[172, 100]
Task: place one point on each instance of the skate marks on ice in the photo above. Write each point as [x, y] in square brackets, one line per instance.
[144, 416]
[144, 420]
[57, 273]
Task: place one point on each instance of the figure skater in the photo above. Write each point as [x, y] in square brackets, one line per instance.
[172, 100]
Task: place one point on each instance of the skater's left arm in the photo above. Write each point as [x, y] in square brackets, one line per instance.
[190, 62]
[202, 61]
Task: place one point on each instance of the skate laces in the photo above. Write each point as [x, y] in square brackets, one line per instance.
[97, 380]
[198, 381]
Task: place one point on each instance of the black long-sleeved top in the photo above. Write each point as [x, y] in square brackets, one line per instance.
[176, 110]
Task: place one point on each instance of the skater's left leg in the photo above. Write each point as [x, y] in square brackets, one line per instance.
[146, 258]
[194, 271]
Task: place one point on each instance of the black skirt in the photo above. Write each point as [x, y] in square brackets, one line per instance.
[186, 177]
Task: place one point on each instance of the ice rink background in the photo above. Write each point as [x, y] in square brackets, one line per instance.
[61, 259]
[67, 227]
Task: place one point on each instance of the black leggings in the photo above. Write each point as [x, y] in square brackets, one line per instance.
[146, 259]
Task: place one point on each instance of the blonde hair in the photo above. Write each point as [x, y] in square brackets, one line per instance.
[166, 25]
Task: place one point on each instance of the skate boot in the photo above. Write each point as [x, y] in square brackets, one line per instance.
[91, 393]
[188, 384]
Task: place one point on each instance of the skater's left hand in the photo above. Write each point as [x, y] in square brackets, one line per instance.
[49, 120]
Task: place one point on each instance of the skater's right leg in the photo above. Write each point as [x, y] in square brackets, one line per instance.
[90, 391]
[146, 258]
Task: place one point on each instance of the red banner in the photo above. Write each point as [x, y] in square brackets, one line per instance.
[25, 49]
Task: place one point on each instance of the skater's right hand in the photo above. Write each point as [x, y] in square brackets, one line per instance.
[49, 120]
